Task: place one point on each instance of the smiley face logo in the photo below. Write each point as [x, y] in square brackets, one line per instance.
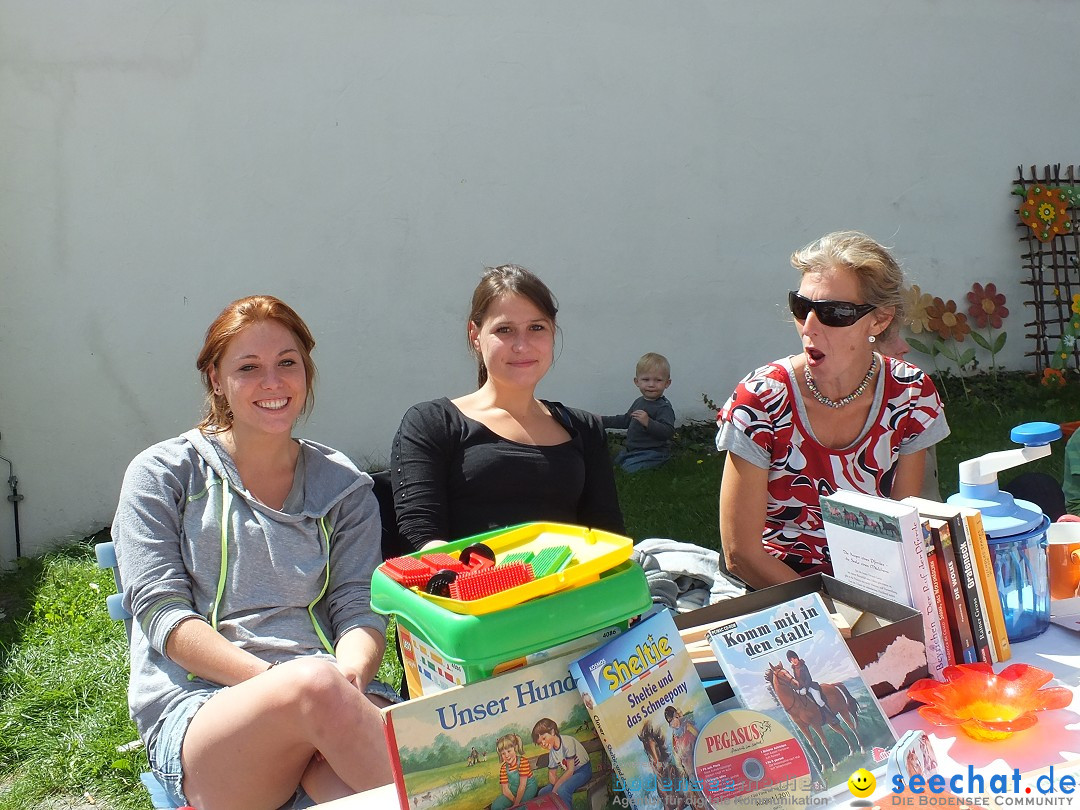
[861, 783]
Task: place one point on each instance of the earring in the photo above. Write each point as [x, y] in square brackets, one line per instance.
[872, 339]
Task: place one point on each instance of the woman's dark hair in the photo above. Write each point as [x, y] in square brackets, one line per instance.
[238, 315]
[499, 282]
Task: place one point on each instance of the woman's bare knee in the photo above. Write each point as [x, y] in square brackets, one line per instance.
[320, 695]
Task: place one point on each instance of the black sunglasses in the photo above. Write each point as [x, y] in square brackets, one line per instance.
[830, 313]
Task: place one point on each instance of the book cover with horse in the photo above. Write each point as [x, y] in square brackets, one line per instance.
[790, 662]
[520, 739]
[648, 705]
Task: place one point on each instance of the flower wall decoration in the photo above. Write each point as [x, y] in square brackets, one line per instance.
[949, 327]
[1048, 223]
[1069, 335]
[988, 310]
[987, 305]
[946, 321]
[915, 304]
[1053, 378]
[1045, 210]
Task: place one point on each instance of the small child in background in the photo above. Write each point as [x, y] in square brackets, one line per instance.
[650, 421]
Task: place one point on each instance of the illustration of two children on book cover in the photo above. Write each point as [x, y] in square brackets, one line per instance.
[532, 718]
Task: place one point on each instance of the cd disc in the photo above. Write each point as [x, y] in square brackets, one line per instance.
[748, 756]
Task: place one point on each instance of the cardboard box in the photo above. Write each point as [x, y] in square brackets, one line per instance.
[886, 637]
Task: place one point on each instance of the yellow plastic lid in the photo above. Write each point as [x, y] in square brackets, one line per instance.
[593, 552]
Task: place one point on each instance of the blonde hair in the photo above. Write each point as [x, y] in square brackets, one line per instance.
[651, 361]
[880, 278]
[236, 317]
[510, 741]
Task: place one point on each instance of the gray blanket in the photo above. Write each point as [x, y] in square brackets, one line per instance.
[682, 576]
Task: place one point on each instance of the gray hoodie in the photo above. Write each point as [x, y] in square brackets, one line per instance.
[169, 546]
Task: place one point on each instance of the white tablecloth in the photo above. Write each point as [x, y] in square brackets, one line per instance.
[1056, 737]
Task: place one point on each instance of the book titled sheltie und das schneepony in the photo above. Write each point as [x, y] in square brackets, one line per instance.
[790, 662]
[648, 705]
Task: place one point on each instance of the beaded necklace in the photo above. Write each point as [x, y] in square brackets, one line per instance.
[840, 403]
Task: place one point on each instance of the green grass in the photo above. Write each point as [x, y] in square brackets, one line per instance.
[63, 675]
[63, 662]
[63, 686]
[681, 499]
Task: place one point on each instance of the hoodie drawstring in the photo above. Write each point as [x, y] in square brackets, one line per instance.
[226, 503]
[326, 584]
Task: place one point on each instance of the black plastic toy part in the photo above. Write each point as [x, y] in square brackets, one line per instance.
[479, 549]
[439, 583]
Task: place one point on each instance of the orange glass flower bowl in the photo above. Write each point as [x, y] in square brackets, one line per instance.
[988, 706]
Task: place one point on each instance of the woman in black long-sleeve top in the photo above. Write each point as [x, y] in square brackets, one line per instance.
[500, 456]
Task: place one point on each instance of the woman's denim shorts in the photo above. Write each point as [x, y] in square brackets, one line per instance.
[165, 756]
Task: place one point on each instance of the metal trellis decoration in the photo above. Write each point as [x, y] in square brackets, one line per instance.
[1048, 216]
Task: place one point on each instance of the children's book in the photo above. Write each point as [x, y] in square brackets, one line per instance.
[967, 567]
[500, 742]
[648, 705]
[940, 588]
[991, 598]
[956, 607]
[789, 661]
[878, 544]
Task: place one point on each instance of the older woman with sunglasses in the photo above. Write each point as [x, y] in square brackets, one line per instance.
[840, 415]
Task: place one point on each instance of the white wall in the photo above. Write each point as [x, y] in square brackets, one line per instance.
[655, 162]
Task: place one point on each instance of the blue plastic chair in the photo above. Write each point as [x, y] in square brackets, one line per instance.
[106, 558]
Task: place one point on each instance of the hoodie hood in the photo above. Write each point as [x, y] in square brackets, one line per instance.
[329, 474]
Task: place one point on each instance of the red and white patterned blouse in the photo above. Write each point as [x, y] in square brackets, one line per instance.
[765, 423]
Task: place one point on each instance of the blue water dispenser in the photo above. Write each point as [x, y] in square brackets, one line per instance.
[1015, 529]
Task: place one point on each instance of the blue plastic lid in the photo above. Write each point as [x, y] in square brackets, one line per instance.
[1002, 514]
[1035, 434]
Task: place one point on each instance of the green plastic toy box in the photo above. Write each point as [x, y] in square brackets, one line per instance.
[441, 648]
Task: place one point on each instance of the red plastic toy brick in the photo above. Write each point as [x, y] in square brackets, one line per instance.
[438, 561]
[408, 571]
[487, 581]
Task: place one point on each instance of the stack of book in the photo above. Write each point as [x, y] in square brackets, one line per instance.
[932, 556]
[629, 724]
